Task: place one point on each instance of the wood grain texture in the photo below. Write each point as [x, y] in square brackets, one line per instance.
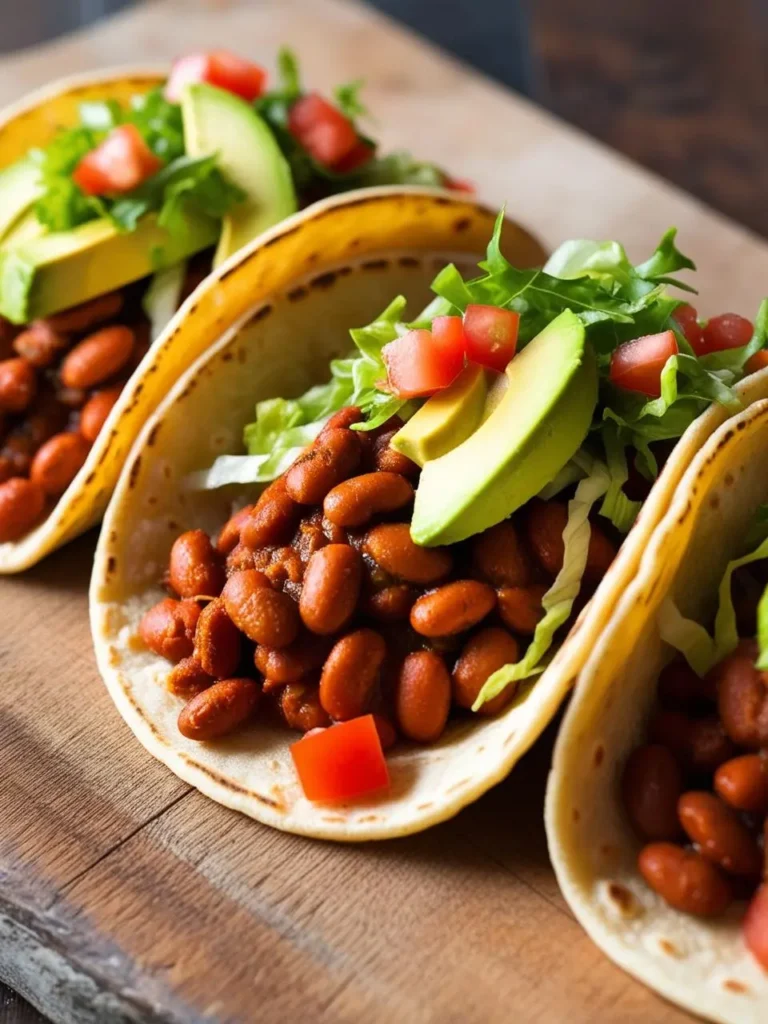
[128, 896]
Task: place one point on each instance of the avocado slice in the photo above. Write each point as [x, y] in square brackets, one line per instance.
[446, 419]
[64, 268]
[19, 188]
[216, 121]
[538, 424]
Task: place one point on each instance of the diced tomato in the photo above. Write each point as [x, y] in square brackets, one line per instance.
[418, 366]
[119, 164]
[341, 763]
[688, 319]
[758, 361]
[448, 335]
[459, 185]
[636, 365]
[325, 133]
[491, 335]
[755, 926]
[729, 330]
[357, 157]
[220, 68]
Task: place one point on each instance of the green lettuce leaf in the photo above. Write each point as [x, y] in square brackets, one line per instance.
[762, 632]
[558, 600]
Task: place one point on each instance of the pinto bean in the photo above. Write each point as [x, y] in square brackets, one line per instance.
[498, 556]
[301, 707]
[273, 520]
[217, 641]
[684, 879]
[21, 505]
[743, 783]
[742, 697]
[290, 664]
[388, 460]
[39, 344]
[97, 358]
[95, 412]
[266, 616]
[390, 604]
[239, 559]
[229, 536]
[332, 458]
[391, 547]
[58, 461]
[194, 567]
[350, 673]
[545, 524]
[423, 696]
[700, 745]
[86, 315]
[651, 786]
[187, 679]
[168, 628]
[356, 501]
[17, 385]
[331, 588]
[520, 608]
[488, 650]
[452, 608]
[220, 709]
[720, 835]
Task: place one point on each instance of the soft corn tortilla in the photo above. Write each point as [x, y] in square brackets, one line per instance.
[361, 225]
[703, 966]
[278, 335]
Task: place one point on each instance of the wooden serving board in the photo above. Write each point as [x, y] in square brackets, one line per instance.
[127, 896]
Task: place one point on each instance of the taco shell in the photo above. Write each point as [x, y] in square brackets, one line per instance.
[278, 328]
[702, 965]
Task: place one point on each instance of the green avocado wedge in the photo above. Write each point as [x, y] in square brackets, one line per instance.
[537, 426]
[216, 121]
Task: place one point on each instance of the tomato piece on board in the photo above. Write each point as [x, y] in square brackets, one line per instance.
[417, 365]
[688, 319]
[459, 185]
[491, 335]
[755, 926]
[118, 164]
[636, 365]
[758, 361]
[325, 133]
[355, 158]
[341, 763]
[220, 68]
[729, 330]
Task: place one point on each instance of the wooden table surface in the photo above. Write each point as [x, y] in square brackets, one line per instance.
[127, 896]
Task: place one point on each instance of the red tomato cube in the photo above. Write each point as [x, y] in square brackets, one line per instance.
[491, 335]
[636, 365]
[341, 763]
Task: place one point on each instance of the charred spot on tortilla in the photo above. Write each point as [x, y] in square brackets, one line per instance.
[152, 436]
[227, 357]
[111, 565]
[735, 986]
[729, 479]
[714, 501]
[408, 261]
[575, 815]
[622, 899]
[669, 948]
[134, 472]
[296, 294]
[599, 754]
[462, 224]
[379, 264]
[741, 425]
[234, 787]
[261, 314]
[325, 280]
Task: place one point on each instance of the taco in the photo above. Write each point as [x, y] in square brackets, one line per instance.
[439, 504]
[120, 192]
[658, 796]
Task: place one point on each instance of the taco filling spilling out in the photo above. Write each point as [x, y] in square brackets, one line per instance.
[106, 229]
[439, 511]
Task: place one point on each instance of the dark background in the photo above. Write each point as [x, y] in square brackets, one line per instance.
[679, 85]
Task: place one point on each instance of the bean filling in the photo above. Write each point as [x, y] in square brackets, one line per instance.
[319, 608]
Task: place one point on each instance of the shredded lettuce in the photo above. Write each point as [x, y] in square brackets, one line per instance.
[558, 600]
[762, 632]
[161, 299]
[701, 650]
